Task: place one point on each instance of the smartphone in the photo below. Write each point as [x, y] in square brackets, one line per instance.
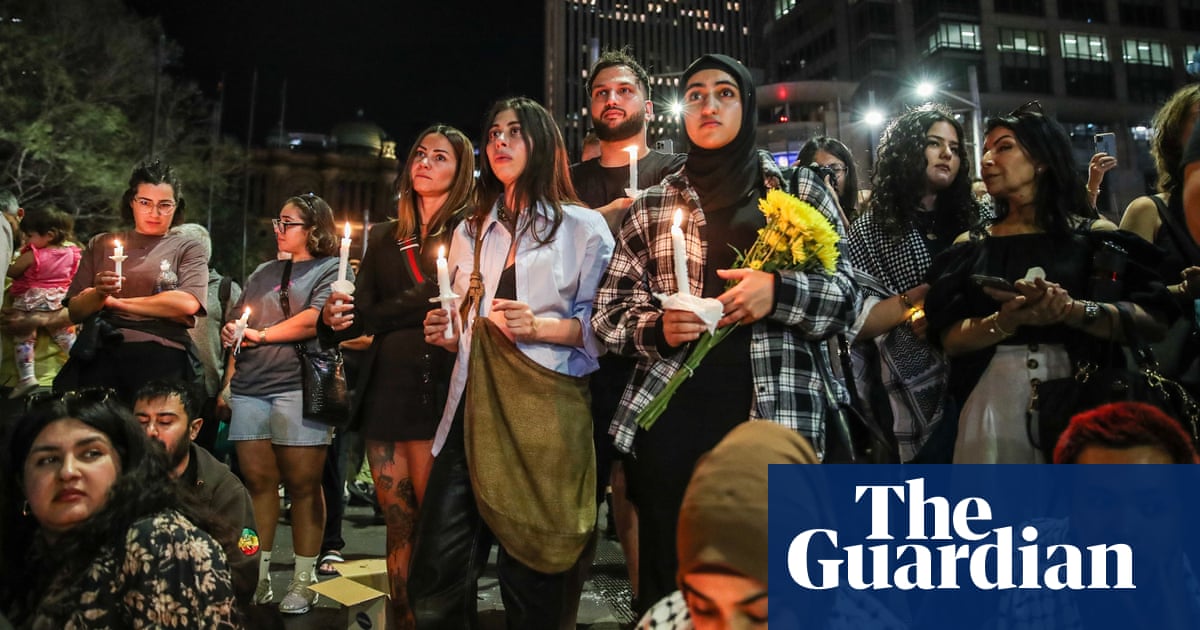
[1106, 143]
[993, 282]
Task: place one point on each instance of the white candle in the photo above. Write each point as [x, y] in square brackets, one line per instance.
[239, 330]
[118, 257]
[344, 257]
[445, 292]
[633, 174]
[679, 249]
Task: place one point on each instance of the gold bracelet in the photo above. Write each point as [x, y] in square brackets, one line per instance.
[994, 327]
[1092, 191]
[262, 335]
[906, 302]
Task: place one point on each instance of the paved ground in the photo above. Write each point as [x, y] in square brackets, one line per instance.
[604, 605]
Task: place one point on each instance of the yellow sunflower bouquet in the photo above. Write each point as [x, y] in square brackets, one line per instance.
[797, 237]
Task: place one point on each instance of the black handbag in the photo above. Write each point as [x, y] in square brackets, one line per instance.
[322, 373]
[851, 438]
[1056, 401]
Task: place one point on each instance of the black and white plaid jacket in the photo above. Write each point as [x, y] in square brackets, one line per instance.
[791, 364]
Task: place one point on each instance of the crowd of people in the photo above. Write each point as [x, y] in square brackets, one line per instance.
[507, 415]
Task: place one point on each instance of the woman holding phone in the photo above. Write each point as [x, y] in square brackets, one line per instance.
[1048, 241]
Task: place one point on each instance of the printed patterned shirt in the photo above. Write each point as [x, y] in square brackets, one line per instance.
[169, 574]
[792, 379]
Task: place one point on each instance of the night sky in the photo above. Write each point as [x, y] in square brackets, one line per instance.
[405, 63]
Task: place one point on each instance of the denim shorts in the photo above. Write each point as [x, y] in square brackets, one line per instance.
[275, 417]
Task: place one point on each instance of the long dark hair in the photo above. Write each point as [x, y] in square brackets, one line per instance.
[462, 188]
[546, 178]
[143, 487]
[1061, 190]
[899, 180]
[849, 197]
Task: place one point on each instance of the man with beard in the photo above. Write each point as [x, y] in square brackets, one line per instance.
[620, 106]
[168, 412]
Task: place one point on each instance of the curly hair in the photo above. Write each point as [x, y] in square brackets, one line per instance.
[1125, 425]
[1167, 145]
[154, 173]
[143, 487]
[322, 238]
[899, 179]
[1061, 190]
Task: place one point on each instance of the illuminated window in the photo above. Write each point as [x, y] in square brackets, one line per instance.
[955, 35]
[1022, 41]
[1146, 52]
[1084, 46]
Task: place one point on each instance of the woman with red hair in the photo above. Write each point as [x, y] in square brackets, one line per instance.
[1124, 433]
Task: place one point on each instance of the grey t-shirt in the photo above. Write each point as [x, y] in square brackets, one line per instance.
[274, 368]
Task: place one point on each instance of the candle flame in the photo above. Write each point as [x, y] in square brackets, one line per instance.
[246, 313]
[633, 151]
[116, 243]
[678, 217]
[441, 251]
[346, 230]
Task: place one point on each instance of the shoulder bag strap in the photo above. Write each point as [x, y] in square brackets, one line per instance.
[475, 290]
[284, 303]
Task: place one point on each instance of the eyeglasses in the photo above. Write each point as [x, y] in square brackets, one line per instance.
[282, 226]
[836, 168]
[73, 399]
[148, 205]
[1032, 107]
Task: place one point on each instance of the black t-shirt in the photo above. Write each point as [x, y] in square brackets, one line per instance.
[598, 185]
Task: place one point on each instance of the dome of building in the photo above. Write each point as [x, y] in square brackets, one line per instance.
[359, 136]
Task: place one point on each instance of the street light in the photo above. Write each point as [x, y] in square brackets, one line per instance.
[926, 89]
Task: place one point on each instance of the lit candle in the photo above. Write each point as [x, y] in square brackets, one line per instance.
[344, 258]
[239, 330]
[633, 174]
[118, 257]
[679, 249]
[445, 293]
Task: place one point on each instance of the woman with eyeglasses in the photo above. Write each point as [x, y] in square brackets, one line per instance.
[538, 255]
[1065, 270]
[93, 531]
[920, 201]
[157, 297]
[835, 158]
[397, 278]
[274, 441]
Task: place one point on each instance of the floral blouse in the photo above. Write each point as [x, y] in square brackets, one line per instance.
[170, 574]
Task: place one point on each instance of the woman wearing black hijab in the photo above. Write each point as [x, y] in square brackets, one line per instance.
[773, 367]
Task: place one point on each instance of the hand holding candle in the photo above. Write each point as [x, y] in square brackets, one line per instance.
[445, 293]
[632, 191]
[239, 330]
[118, 257]
[679, 250]
[343, 284]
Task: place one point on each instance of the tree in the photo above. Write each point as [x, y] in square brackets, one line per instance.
[77, 95]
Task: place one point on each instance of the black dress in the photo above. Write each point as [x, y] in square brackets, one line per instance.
[402, 387]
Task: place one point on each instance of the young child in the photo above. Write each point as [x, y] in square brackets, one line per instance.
[41, 276]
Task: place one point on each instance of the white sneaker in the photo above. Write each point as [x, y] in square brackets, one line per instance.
[299, 599]
[263, 594]
[23, 386]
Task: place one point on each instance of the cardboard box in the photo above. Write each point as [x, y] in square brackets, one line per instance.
[362, 590]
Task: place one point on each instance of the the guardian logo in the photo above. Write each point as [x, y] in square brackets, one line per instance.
[972, 552]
